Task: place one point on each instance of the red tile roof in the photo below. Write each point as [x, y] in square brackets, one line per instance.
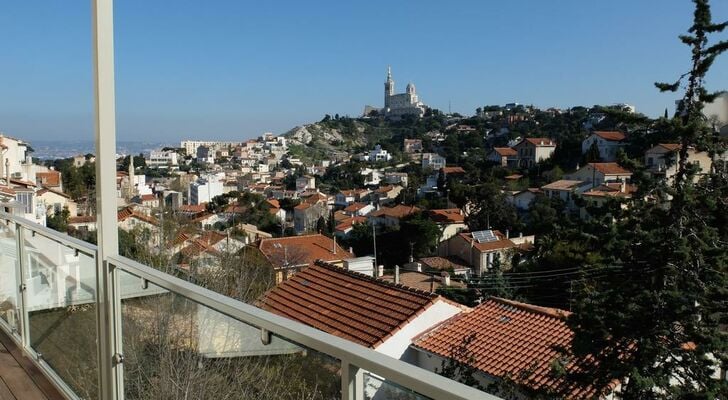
[193, 208]
[82, 219]
[353, 207]
[350, 222]
[501, 243]
[539, 142]
[422, 281]
[50, 178]
[399, 211]
[444, 263]
[562, 184]
[452, 170]
[505, 151]
[347, 304]
[614, 136]
[610, 168]
[670, 146]
[301, 250]
[148, 197]
[509, 338]
[447, 216]
[128, 212]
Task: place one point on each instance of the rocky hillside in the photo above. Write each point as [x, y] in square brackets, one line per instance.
[327, 138]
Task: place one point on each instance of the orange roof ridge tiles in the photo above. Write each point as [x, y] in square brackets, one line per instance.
[346, 304]
[615, 136]
[547, 311]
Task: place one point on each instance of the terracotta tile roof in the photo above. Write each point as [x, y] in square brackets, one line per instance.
[7, 190]
[670, 146]
[509, 339]
[452, 170]
[50, 178]
[148, 197]
[49, 190]
[614, 136]
[302, 206]
[301, 250]
[204, 243]
[611, 190]
[347, 304]
[399, 211]
[203, 216]
[500, 244]
[274, 203]
[444, 263]
[193, 208]
[350, 222]
[340, 216]
[22, 182]
[128, 212]
[610, 168]
[422, 281]
[353, 207]
[540, 142]
[82, 219]
[447, 216]
[562, 184]
[505, 151]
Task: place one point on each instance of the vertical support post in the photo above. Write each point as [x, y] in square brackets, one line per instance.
[20, 271]
[107, 307]
[352, 382]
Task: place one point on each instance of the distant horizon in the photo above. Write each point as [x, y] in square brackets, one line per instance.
[235, 71]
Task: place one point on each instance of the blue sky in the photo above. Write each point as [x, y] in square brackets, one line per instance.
[234, 69]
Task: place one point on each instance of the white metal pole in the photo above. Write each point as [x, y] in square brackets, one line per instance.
[110, 373]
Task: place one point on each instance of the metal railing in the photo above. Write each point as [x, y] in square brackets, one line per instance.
[48, 304]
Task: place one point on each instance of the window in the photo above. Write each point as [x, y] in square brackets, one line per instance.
[26, 199]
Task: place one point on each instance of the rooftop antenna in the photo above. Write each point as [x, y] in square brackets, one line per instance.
[449, 107]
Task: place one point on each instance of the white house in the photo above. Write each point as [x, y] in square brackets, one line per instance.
[607, 142]
[433, 161]
[661, 160]
[598, 173]
[532, 151]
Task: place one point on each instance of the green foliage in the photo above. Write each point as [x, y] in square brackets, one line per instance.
[59, 220]
[660, 317]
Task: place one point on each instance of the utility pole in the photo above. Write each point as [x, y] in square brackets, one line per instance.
[374, 238]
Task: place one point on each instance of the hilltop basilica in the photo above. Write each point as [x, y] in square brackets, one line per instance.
[397, 105]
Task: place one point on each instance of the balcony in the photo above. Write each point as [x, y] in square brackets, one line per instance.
[173, 339]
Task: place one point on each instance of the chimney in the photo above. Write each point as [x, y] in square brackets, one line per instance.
[445, 278]
[334, 249]
[7, 172]
[351, 250]
[623, 186]
[396, 274]
[508, 233]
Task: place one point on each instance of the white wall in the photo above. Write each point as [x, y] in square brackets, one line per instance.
[397, 345]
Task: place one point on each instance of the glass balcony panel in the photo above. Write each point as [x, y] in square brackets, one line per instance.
[9, 281]
[61, 306]
[376, 388]
[176, 348]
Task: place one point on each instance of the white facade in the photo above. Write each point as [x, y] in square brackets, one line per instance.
[433, 160]
[378, 154]
[205, 189]
[163, 159]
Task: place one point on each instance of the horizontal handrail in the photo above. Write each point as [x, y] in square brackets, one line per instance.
[62, 238]
[407, 375]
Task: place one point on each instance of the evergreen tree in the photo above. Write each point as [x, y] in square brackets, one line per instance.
[656, 324]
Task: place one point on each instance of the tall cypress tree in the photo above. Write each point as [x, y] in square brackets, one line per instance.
[655, 326]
